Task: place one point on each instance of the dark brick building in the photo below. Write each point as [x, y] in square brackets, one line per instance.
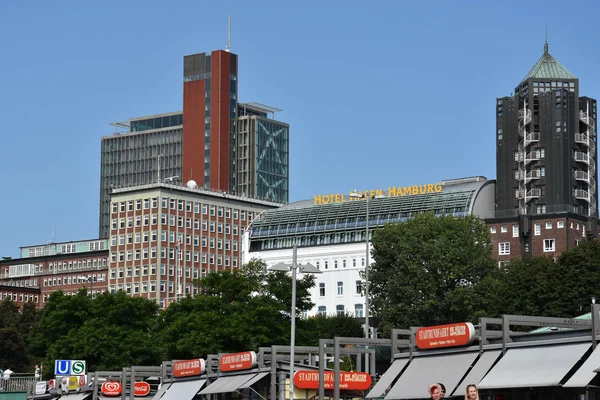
[546, 192]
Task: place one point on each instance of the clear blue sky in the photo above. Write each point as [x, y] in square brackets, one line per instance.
[377, 93]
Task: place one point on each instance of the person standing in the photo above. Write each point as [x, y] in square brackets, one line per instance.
[472, 393]
[435, 391]
[6, 374]
[37, 373]
[443, 389]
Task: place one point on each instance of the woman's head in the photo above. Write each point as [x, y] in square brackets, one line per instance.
[471, 393]
[435, 391]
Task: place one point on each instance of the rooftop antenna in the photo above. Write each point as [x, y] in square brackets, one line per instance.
[228, 48]
[546, 42]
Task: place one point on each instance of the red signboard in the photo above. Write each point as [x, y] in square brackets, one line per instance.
[141, 388]
[451, 335]
[192, 367]
[306, 379]
[111, 388]
[237, 361]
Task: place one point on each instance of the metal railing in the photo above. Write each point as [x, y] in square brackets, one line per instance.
[19, 384]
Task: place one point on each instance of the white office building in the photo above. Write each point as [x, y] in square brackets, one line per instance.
[332, 236]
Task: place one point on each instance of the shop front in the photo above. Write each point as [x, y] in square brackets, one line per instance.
[505, 365]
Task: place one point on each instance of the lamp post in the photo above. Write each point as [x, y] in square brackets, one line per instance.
[357, 195]
[177, 276]
[294, 267]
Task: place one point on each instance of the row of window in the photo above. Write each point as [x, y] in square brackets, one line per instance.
[21, 283]
[537, 228]
[146, 237]
[67, 265]
[340, 288]
[180, 205]
[504, 247]
[135, 272]
[344, 263]
[194, 256]
[20, 297]
[173, 220]
[47, 250]
[74, 280]
[339, 310]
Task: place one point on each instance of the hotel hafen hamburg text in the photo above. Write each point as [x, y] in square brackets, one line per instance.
[391, 192]
[162, 237]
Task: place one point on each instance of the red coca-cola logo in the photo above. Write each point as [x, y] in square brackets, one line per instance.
[111, 388]
[141, 388]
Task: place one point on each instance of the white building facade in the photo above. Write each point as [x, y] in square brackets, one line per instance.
[330, 233]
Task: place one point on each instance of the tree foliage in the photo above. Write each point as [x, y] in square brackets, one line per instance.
[310, 330]
[235, 311]
[427, 270]
[16, 324]
[541, 286]
[109, 332]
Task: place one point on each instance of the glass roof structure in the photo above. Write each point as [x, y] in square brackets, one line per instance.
[304, 218]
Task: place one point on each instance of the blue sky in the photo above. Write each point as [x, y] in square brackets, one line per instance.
[377, 93]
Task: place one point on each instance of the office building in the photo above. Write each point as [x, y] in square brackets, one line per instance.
[546, 163]
[200, 143]
[163, 236]
[142, 150]
[330, 233]
[43, 269]
[263, 156]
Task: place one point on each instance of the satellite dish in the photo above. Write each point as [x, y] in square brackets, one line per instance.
[192, 184]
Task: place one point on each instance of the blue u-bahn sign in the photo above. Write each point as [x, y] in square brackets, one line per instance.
[69, 367]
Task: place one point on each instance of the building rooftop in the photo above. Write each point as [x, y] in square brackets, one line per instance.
[548, 68]
[455, 197]
[190, 188]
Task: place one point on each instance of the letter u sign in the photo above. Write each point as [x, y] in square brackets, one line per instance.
[62, 367]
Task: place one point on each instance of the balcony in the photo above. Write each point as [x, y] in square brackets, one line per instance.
[582, 157]
[581, 176]
[533, 137]
[531, 194]
[581, 194]
[582, 138]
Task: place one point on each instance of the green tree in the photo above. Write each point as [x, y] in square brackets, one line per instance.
[310, 330]
[109, 332]
[574, 280]
[235, 311]
[522, 288]
[427, 269]
[16, 324]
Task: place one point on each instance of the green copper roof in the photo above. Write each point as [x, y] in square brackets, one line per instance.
[548, 68]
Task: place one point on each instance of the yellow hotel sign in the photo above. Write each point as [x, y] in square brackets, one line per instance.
[392, 191]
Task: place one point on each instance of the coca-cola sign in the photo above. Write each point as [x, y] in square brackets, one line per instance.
[141, 389]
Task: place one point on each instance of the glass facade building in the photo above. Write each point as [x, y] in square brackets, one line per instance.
[132, 158]
[263, 156]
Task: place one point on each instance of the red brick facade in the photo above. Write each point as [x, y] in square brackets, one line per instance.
[545, 235]
[35, 278]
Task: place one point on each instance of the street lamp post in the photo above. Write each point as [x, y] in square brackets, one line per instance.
[294, 267]
[177, 267]
[357, 195]
[367, 198]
